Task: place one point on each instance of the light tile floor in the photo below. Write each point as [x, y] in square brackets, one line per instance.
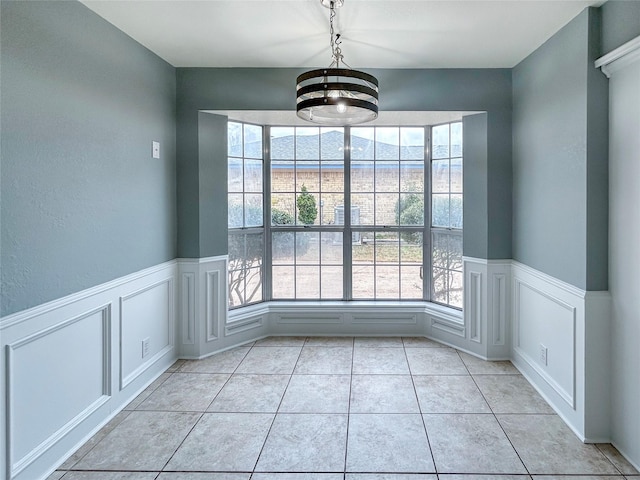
[323, 408]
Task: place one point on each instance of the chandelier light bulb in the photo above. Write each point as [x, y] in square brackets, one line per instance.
[341, 107]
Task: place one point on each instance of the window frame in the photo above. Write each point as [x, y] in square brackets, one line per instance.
[347, 229]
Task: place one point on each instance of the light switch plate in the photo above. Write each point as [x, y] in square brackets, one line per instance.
[155, 148]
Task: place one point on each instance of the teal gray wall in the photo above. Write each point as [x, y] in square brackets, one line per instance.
[82, 201]
[402, 90]
[621, 20]
[476, 218]
[560, 179]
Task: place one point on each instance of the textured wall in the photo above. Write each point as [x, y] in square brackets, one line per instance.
[559, 157]
[83, 202]
[404, 90]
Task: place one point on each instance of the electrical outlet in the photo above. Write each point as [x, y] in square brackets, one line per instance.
[145, 347]
[543, 354]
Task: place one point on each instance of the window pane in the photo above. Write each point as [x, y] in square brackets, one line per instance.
[411, 271]
[455, 252]
[283, 209]
[363, 252]
[440, 141]
[411, 248]
[328, 205]
[387, 248]
[440, 250]
[440, 210]
[253, 175]
[234, 139]
[235, 210]
[308, 282]
[245, 268]
[332, 177]
[236, 250]
[387, 176]
[456, 211]
[456, 139]
[253, 210]
[282, 176]
[362, 143]
[456, 175]
[410, 209]
[412, 176]
[364, 204]
[386, 208]
[306, 208]
[440, 176]
[282, 249]
[253, 288]
[387, 143]
[455, 289]
[308, 176]
[252, 141]
[411, 143]
[439, 285]
[307, 143]
[282, 143]
[285, 287]
[234, 175]
[332, 143]
[411, 282]
[362, 177]
[363, 282]
[307, 248]
[331, 282]
[387, 281]
[331, 244]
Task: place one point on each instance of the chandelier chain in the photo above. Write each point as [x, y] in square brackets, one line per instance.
[336, 52]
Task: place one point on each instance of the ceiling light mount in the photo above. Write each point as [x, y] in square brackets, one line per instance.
[336, 95]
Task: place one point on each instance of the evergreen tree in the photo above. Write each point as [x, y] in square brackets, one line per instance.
[307, 209]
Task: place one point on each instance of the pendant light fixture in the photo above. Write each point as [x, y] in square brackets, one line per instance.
[336, 95]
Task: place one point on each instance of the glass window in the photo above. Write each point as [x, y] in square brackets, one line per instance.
[245, 174]
[311, 230]
[446, 214]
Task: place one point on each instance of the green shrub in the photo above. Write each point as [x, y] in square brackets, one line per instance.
[307, 209]
[280, 217]
[409, 210]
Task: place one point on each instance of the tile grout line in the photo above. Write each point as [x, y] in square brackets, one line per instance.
[424, 425]
[495, 416]
[346, 440]
[202, 413]
[275, 415]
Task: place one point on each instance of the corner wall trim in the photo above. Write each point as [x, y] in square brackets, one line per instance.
[620, 57]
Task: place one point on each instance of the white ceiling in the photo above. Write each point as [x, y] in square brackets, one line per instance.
[375, 33]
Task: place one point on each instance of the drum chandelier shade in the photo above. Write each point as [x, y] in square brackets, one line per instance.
[336, 95]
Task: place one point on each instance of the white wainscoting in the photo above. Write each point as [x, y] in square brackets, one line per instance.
[486, 308]
[71, 364]
[571, 325]
[207, 327]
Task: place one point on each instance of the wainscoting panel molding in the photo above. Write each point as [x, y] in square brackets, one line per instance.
[206, 299]
[147, 323]
[553, 323]
[63, 364]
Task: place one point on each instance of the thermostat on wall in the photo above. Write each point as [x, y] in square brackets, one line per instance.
[155, 148]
